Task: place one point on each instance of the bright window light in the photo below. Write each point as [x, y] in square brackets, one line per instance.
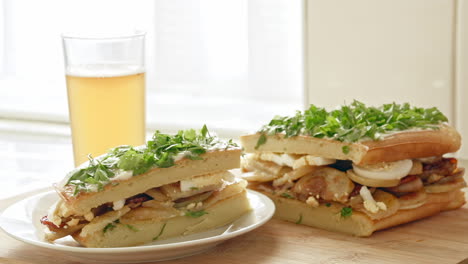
[229, 64]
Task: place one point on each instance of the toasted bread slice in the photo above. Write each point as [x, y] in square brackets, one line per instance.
[213, 161]
[359, 224]
[144, 231]
[400, 145]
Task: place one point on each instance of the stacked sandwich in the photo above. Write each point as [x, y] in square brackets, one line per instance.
[356, 169]
[175, 185]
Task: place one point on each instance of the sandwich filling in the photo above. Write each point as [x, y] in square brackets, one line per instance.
[190, 198]
[378, 190]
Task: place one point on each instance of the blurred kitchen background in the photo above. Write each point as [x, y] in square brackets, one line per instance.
[230, 64]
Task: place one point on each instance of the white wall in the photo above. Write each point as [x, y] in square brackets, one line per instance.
[380, 51]
[461, 84]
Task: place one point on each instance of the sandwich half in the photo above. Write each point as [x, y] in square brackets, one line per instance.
[357, 169]
[175, 185]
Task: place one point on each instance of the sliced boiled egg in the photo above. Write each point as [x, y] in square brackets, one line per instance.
[370, 181]
[280, 159]
[294, 161]
[385, 170]
[202, 181]
[369, 203]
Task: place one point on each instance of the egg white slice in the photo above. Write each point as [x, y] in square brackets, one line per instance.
[385, 170]
[292, 160]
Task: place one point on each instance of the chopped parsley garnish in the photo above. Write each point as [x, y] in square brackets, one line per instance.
[300, 220]
[108, 227]
[160, 232]
[160, 152]
[328, 204]
[261, 140]
[353, 122]
[111, 226]
[195, 214]
[346, 212]
[345, 149]
[96, 175]
[287, 195]
[132, 228]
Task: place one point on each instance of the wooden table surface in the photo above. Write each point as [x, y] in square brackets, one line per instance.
[439, 239]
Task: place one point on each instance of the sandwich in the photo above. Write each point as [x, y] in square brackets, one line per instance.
[356, 169]
[174, 185]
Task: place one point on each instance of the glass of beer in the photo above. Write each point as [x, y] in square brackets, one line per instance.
[106, 92]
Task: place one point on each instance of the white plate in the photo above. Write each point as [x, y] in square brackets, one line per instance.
[21, 221]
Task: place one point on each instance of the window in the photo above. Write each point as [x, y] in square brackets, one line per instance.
[227, 63]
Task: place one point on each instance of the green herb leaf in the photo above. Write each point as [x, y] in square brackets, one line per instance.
[328, 204]
[190, 134]
[132, 228]
[95, 176]
[261, 140]
[204, 131]
[299, 221]
[108, 227]
[195, 214]
[165, 161]
[100, 175]
[131, 160]
[354, 122]
[160, 232]
[287, 195]
[345, 149]
[346, 212]
[76, 190]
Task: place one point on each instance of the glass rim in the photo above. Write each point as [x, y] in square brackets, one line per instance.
[103, 36]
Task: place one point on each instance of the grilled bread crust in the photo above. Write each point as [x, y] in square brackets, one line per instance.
[213, 161]
[397, 146]
[145, 231]
[359, 224]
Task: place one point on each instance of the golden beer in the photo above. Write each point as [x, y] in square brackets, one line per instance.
[105, 112]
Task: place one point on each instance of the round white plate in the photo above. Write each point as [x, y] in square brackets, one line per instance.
[21, 221]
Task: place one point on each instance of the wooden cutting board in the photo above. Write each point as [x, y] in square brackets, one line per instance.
[439, 239]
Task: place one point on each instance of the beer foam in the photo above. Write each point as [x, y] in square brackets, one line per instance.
[103, 70]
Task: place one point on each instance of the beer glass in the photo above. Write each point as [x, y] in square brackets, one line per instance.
[106, 92]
